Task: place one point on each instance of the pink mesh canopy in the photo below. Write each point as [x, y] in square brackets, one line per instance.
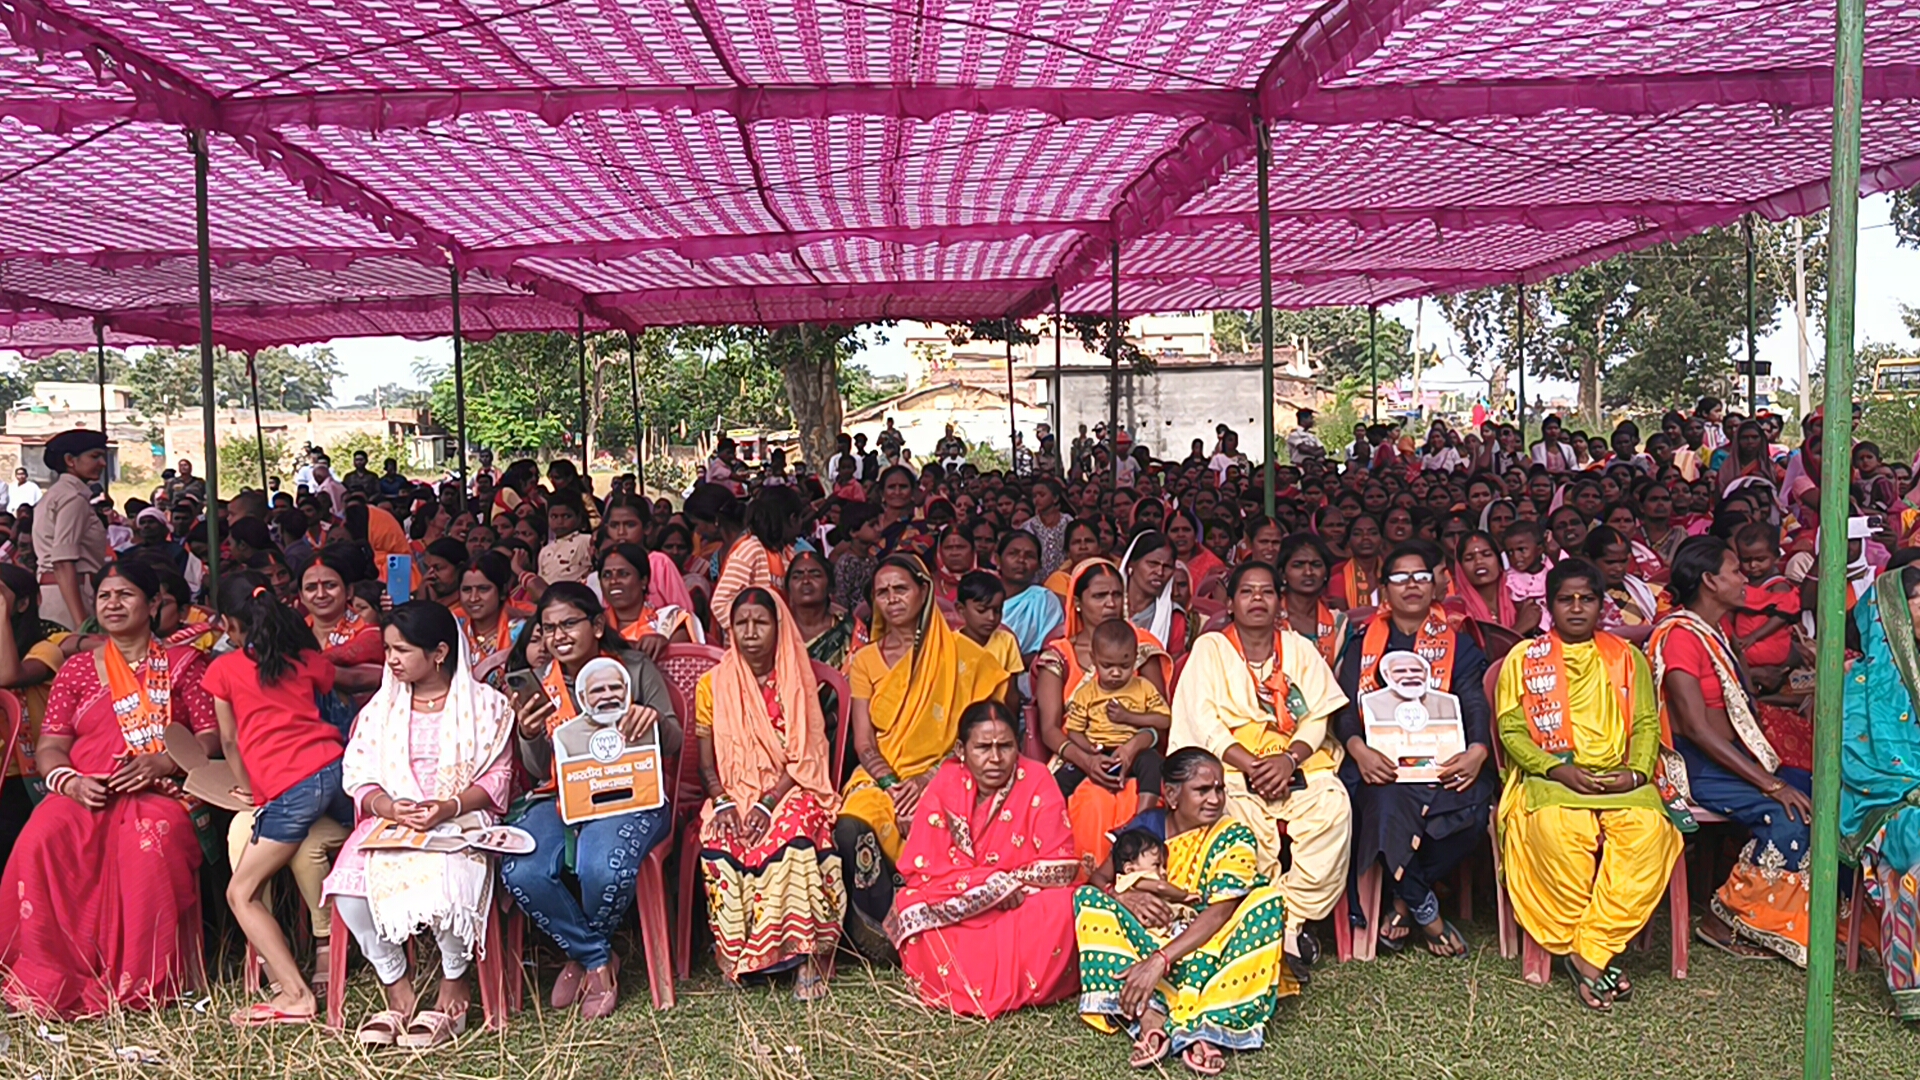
[646, 162]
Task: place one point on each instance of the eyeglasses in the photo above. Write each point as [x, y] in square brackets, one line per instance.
[1418, 577]
[563, 625]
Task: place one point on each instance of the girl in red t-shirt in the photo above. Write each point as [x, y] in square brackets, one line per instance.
[284, 756]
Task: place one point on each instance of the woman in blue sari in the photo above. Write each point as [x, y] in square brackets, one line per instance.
[1880, 773]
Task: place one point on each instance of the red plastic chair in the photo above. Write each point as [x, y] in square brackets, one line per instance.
[832, 678]
[490, 967]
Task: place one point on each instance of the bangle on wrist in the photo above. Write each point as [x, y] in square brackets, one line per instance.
[887, 782]
[720, 804]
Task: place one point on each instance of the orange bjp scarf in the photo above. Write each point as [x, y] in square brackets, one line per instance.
[1544, 701]
[1277, 696]
[758, 736]
[141, 702]
[1436, 643]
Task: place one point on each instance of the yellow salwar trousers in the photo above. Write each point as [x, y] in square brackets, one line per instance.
[1319, 822]
[1585, 881]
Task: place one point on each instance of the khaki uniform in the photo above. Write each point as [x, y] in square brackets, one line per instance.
[66, 529]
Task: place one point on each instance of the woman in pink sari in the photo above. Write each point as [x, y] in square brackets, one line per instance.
[102, 891]
[984, 923]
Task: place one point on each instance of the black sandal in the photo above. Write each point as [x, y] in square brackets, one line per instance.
[1602, 1001]
[1450, 936]
[1397, 921]
[1617, 983]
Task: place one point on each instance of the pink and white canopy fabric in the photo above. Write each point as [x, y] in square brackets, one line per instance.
[650, 162]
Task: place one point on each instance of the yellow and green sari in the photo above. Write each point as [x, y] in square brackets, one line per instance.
[1222, 993]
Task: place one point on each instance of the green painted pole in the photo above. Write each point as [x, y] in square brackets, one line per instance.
[1753, 342]
[1263, 155]
[203, 258]
[460, 393]
[1842, 250]
[1373, 357]
[580, 338]
[639, 438]
[1520, 316]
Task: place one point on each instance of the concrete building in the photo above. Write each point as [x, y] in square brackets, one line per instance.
[1183, 400]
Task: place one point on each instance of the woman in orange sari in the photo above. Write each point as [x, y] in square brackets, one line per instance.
[909, 688]
[774, 892]
[984, 922]
[102, 890]
[1102, 803]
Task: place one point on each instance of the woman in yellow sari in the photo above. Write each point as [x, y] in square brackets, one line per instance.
[909, 688]
[1191, 987]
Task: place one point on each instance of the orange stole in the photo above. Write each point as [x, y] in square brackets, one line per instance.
[1436, 643]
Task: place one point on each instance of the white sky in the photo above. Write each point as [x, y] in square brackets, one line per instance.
[1888, 275]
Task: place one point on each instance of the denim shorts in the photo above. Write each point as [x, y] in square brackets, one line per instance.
[286, 819]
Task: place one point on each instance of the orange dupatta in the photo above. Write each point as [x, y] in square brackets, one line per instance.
[1435, 643]
[1277, 695]
[1543, 698]
[1150, 648]
[141, 703]
[1358, 589]
[756, 740]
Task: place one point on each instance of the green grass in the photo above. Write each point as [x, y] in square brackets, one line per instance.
[1404, 1016]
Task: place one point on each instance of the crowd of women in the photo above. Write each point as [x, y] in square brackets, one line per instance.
[1109, 741]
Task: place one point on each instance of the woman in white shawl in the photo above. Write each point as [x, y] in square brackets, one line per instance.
[1148, 567]
[429, 749]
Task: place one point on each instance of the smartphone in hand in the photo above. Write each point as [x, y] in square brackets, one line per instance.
[399, 579]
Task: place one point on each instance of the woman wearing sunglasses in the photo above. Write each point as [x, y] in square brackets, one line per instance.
[1418, 831]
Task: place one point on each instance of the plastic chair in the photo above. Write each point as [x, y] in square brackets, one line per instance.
[490, 967]
[831, 678]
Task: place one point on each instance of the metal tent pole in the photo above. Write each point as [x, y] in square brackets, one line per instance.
[1373, 356]
[639, 449]
[1753, 343]
[580, 338]
[1059, 388]
[259, 432]
[1842, 251]
[1263, 158]
[1800, 314]
[1520, 316]
[203, 259]
[100, 369]
[460, 391]
[1113, 370]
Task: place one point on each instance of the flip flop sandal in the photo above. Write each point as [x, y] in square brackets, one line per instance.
[433, 1028]
[1733, 947]
[1597, 987]
[1150, 1049]
[1622, 989]
[1396, 922]
[264, 1014]
[382, 1028]
[1202, 1058]
[1449, 935]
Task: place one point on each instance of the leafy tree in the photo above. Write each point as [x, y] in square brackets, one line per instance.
[393, 396]
[1655, 326]
[1906, 216]
[166, 381]
[1337, 337]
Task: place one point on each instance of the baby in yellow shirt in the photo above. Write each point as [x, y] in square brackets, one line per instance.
[1116, 714]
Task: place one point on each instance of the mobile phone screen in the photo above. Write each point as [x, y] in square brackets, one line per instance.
[399, 579]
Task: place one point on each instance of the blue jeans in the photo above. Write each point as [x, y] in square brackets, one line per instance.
[287, 818]
[607, 858]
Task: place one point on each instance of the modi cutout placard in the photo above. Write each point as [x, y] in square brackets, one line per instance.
[600, 773]
[1408, 721]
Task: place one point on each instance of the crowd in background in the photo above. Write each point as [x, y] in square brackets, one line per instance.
[1099, 696]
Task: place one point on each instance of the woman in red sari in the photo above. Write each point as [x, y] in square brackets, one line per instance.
[984, 923]
[102, 892]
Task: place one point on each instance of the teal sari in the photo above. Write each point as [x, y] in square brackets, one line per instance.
[1880, 779]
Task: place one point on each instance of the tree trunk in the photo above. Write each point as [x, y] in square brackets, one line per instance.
[810, 366]
[1590, 392]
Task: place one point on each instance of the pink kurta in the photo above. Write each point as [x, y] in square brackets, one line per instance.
[349, 876]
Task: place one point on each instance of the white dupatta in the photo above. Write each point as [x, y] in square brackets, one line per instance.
[407, 890]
